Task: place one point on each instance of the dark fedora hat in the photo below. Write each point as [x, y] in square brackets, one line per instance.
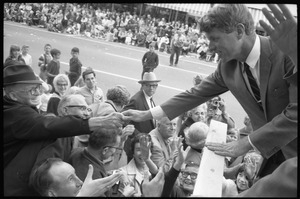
[19, 74]
[149, 77]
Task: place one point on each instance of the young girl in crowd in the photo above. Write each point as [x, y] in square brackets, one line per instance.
[14, 57]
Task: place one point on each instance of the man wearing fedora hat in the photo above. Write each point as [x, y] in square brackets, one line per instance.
[142, 100]
[150, 59]
[26, 131]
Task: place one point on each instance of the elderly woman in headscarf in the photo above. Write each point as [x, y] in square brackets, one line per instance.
[61, 84]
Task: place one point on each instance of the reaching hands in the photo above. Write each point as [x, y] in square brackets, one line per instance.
[136, 115]
[145, 148]
[97, 187]
[113, 120]
[231, 149]
[154, 188]
[283, 30]
[126, 131]
[181, 156]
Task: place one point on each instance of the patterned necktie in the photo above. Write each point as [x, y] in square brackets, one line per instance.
[152, 103]
[253, 84]
[152, 106]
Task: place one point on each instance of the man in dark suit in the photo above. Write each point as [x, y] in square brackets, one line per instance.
[142, 100]
[272, 108]
[283, 181]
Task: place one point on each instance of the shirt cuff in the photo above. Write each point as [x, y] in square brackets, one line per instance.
[256, 150]
[157, 112]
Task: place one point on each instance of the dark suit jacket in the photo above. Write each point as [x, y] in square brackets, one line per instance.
[138, 102]
[275, 127]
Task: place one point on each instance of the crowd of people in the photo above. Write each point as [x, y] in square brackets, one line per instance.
[101, 23]
[64, 137]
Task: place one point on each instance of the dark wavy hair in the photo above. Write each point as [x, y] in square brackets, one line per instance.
[103, 137]
[225, 17]
[119, 95]
[136, 139]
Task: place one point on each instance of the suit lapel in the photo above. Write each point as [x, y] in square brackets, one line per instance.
[145, 102]
[147, 107]
[265, 70]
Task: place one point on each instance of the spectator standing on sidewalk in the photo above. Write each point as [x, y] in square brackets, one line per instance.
[75, 66]
[150, 60]
[176, 47]
[44, 60]
[14, 57]
[27, 58]
[53, 67]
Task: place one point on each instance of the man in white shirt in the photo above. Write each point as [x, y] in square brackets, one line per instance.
[27, 58]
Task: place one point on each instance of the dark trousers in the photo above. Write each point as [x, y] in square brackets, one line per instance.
[175, 50]
[73, 77]
[269, 165]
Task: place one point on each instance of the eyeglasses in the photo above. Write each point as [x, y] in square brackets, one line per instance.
[82, 108]
[185, 174]
[62, 85]
[117, 148]
[151, 85]
[34, 91]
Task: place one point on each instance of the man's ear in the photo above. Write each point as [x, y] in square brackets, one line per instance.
[12, 96]
[104, 150]
[240, 28]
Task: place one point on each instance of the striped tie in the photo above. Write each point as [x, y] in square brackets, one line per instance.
[152, 103]
[152, 106]
[253, 84]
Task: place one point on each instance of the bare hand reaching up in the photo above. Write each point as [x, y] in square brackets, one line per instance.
[283, 30]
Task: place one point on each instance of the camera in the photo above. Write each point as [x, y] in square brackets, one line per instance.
[215, 103]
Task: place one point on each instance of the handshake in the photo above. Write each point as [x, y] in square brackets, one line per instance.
[118, 120]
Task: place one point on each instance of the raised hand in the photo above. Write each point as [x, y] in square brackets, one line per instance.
[128, 130]
[145, 148]
[97, 187]
[154, 188]
[283, 30]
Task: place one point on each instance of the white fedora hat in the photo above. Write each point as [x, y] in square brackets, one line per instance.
[149, 77]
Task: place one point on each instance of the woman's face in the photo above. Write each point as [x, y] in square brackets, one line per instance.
[242, 181]
[62, 86]
[16, 53]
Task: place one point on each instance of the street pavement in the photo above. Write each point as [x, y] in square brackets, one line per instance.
[116, 63]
